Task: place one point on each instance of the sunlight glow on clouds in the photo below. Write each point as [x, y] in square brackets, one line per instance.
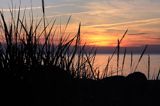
[103, 20]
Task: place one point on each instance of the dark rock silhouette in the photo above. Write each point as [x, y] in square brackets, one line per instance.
[136, 76]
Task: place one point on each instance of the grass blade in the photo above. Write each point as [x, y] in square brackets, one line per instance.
[141, 57]
[118, 50]
[91, 66]
[148, 67]
[43, 7]
[124, 57]
[131, 62]
[67, 24]
[123, 36]
[158, 75]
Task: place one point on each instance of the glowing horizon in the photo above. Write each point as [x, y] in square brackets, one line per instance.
[103, 22]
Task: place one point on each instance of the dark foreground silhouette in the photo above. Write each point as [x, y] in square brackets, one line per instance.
[55, 87]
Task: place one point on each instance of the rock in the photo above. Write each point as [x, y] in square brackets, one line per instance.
[136, 76]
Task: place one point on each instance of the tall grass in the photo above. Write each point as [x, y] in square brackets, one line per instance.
[23, 46]
[117, 48]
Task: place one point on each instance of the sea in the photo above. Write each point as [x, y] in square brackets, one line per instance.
[148, 64]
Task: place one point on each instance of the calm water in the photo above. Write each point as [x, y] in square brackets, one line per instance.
[101, 61]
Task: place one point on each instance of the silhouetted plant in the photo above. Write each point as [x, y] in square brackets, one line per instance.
[23, 46]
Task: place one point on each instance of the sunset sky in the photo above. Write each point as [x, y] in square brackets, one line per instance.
[103, 21]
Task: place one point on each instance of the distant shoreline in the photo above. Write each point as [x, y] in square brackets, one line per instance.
[152, 49]
[128, 53]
